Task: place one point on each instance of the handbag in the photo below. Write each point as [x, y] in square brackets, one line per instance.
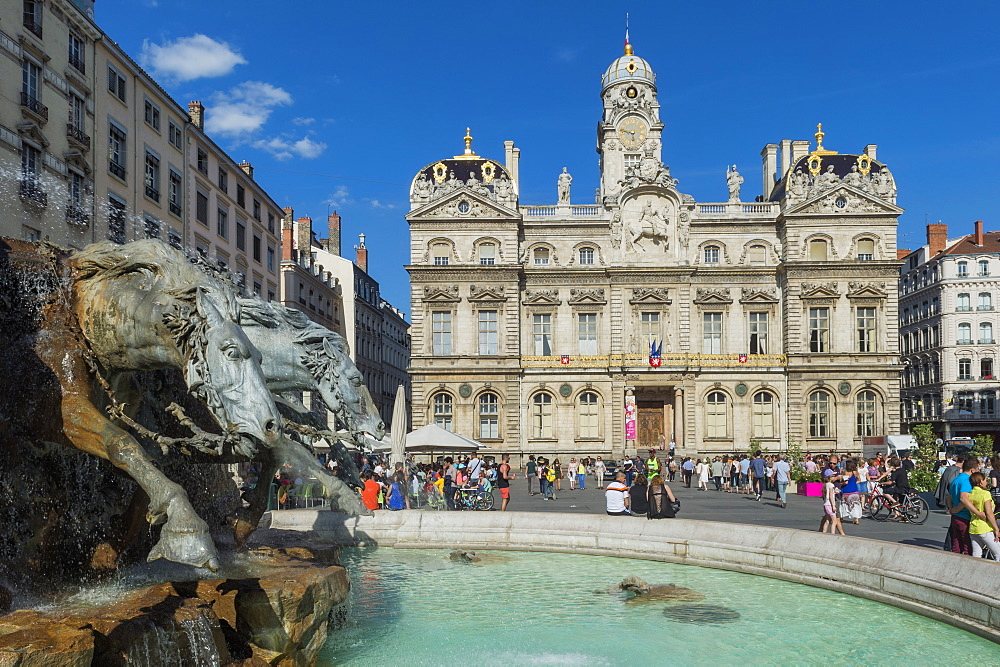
[675, 505]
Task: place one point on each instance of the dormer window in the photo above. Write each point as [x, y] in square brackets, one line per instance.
[711, 254]
[541, 256]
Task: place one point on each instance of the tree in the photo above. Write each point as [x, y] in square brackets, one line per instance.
[983, 446]
[924, 476]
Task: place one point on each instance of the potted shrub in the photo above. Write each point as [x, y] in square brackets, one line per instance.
[808, 483]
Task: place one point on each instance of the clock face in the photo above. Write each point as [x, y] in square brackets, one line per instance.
[632, 132]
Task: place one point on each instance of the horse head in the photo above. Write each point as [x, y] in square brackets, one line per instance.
[341, 383]
[224, 370]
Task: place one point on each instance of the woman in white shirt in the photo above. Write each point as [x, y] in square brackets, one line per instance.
[703, 469]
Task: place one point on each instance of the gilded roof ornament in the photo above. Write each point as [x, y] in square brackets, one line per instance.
[468, 154]
[819, 142]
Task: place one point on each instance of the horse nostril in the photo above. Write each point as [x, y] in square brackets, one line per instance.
[271, 426]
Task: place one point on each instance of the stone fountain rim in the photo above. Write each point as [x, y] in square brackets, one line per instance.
[916, 579]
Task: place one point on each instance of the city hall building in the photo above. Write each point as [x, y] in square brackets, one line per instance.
[647, 316]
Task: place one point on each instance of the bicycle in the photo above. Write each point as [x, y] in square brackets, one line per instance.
[912, 507]
[471, 498]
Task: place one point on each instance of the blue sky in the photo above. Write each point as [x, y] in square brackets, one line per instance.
[337, 104]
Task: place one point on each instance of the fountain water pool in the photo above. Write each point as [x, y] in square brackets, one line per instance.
[534, 608]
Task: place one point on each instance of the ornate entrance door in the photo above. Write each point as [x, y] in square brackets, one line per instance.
[650, 425]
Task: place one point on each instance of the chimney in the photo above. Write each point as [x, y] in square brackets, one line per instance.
[511, 157]
[362, 257]
[901, 253]
[871, 150]
[287, 235]
[770, 161]
[333, 233]
[937, 238]
[786, 157]
[196, 112]
[303, 236]
[800, 149]
[247, 168]
[979, 233]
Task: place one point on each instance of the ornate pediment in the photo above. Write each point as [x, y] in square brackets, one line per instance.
[819, 291]
[712, 295]
[463, 204]
[652, 296]
[761, 295]
[32, 130]
[843, 200]
[541, 297]
[438, 294]
[858, 290]
[480, 293]
[580, 297]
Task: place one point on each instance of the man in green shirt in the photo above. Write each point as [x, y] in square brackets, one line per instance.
[652, 465]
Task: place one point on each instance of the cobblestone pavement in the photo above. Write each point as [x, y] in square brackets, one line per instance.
[802, 512]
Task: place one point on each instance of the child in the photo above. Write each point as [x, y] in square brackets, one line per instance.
[830, 510]
[984, 532]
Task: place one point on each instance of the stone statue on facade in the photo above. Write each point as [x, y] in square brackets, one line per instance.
[565, 180]
[422, 187]
[798, 183]
[827, 179]
[885, 186]
[854, 178]
[502, 187]
[733, 181]
[616, 229]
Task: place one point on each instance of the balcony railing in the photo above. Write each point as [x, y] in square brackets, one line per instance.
[963, 341]
[152, 193]
[666, 360]
[116, 169]
[34, 106]
[981, 307]
[986, 341]
[32, 193]
[175, 208]
[963, 309]
[76, 135]
[78, 63]
[76, 215]
[34, 27]
[965, 378]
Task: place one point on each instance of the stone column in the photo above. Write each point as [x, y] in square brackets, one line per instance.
[679, 418]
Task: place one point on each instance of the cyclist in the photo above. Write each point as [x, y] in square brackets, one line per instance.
[898, 484]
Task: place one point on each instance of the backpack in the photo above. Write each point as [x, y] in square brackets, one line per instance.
[550, 474]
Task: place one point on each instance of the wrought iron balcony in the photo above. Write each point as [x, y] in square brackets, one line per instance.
[34, 106]
[77, 136]
[31, 192]
[76, 215]
[963, 341]
[34, 27]
[116, 169]
[78, 63]
[963, 309]
[152, 193]
[982, 307]
[175, 208]
[986, 341]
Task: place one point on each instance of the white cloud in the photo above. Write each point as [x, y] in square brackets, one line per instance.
[244, 109]
[340, 197]
[190, 58]
[375, 203]
[303, 121]
[285, 147]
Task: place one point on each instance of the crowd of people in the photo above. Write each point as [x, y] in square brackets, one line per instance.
[969, 487]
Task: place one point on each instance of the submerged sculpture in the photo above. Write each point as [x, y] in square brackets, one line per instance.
[119, 343]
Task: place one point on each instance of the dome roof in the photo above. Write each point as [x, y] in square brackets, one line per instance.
[629, 67]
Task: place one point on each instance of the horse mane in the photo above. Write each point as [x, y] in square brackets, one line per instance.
[179, 278]
[274, 315]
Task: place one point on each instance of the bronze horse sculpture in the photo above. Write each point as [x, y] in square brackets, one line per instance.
[300, 355]
[107, 312]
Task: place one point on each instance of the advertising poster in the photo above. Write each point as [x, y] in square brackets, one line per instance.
[630, 417]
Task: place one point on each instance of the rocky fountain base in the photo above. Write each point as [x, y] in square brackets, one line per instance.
[280, 618]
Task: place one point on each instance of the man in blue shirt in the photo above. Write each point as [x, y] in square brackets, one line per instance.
[759, 468]
[688, 468]
[959, 491]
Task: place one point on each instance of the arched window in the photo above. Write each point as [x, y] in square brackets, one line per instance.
[757, 255]
[763, 415]
[817, 250]
[441, 252]
[986, 333]
[541, 416]
[865, 411]
[964, 303]
[866, 250]
[487, 254]
[964, 333]
[985, 301]
[715, 415]
[443, 411]
[819, 415]
[587, 416]
[489, 416]
[711, 254]
[541, 256]
[586, 255]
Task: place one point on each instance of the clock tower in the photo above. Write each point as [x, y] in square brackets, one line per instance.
[630, 128]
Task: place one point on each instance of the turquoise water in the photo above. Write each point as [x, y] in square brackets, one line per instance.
[419, 608]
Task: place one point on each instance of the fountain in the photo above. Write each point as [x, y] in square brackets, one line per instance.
[138, 382]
